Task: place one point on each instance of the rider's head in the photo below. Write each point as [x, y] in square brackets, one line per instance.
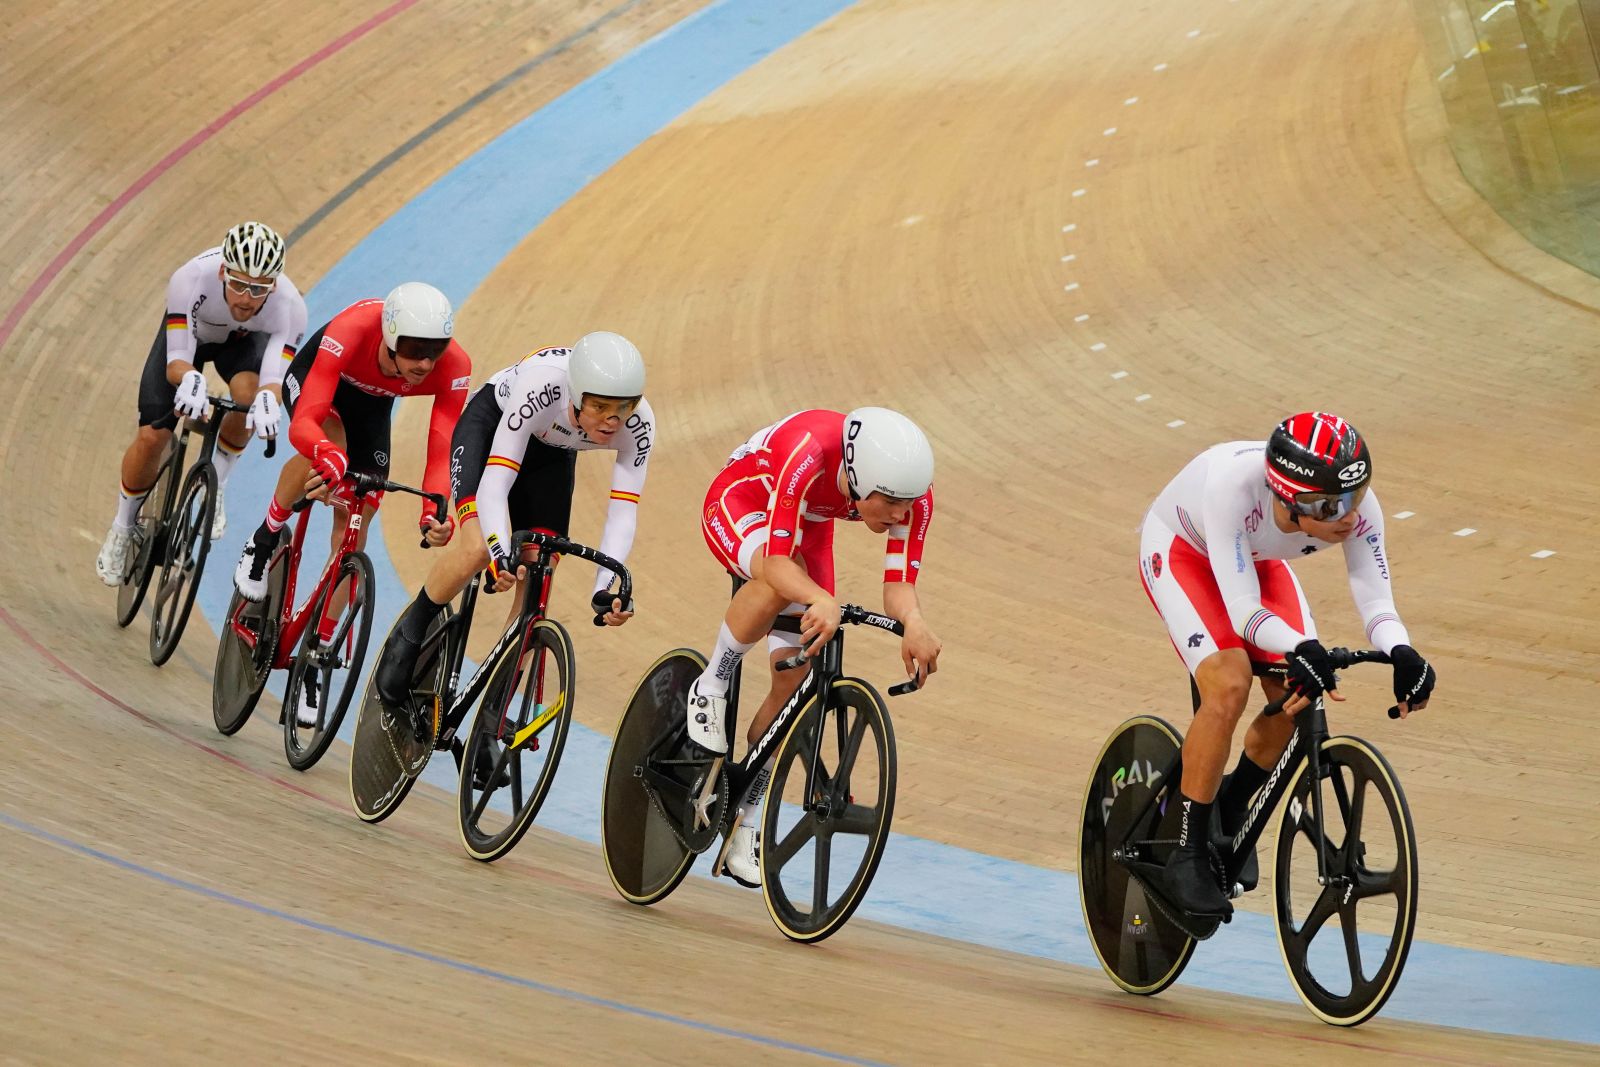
[607, 376]
[1318, 468]
[888, 463]
[417, 324]
[252, 259]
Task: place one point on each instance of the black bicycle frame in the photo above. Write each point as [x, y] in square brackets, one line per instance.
[1310, 731]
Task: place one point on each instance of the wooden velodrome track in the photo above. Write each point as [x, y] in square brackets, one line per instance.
[886, 210]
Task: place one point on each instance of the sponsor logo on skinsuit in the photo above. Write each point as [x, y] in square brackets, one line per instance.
[331, 346]
[534, 403]
[642, 434]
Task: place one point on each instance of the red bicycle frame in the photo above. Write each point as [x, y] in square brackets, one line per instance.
[292, 623]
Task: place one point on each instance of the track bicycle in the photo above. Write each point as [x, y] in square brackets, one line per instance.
[825, 819]
[1346, 851]
[274, 634]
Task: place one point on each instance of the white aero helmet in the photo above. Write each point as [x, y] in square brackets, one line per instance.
[605, 364]
[885, 452]
[253, 249]
[416, 309]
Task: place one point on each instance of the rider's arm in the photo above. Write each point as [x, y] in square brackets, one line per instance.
[316, 397]
[1367, 565]
[521, 416]
[900, 602]
[182, 293]
[288, 330]
[1228, 546]
[455, 379]
[627, 483]
[902, 561]
[803, 463]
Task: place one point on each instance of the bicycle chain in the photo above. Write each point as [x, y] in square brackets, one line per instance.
[676, 825]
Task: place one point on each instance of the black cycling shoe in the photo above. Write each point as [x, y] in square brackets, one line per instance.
[1191, 883]
[483, 776]
[392, 677]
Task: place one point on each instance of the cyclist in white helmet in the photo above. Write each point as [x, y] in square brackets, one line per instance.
[231, 307]
[512, 464]
[340, 392]
[768, 518]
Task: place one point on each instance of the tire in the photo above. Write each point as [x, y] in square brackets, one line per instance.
[241, 667]
[385, 759]
[521, 729]
[1141, 949]
[1372, 891]
[646, 857]
[857, 761]
[334, 666]
[188, 543]
[130, 594]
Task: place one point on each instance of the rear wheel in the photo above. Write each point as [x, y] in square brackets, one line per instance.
[326, 673]
[188, 542]
[823, 833]
[1344, 970]
[246, 648]
[385, 755]
[651, 779]
[148, 542]
[516, 741]
[1138, 945]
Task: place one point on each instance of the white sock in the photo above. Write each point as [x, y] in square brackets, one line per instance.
[725, 659]
[128, 507]
[224, 459]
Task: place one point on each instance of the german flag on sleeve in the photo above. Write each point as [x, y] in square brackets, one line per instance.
[177, 320]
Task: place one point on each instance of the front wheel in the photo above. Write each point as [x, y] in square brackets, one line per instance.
[1141, 949]
[188, 542]
[826, 817]
[1370, 850]
[516, 741]
[326, 673]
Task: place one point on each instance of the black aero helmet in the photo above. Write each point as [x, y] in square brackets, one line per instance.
[1315, 458]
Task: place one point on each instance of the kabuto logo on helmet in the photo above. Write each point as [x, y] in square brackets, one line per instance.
[850, 434]
[1354, 472]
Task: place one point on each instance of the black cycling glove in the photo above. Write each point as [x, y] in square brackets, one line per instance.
[1414, 678]
[1310, 670]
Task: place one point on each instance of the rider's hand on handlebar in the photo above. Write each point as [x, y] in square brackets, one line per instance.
[264, 416]
[1414, 680]
[818, 624]
[191, 400]
[613, 614]
[328, 465]
[437, 533]
[919, 651]
[502, 573]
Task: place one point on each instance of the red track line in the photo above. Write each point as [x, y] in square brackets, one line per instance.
[59, 263]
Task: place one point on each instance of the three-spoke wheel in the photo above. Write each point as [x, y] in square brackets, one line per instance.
[516, 741]
[326, 672]
[1345, 942]
[826, 817]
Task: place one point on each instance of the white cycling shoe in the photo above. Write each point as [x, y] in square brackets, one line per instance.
[741, 858]
[250, 576]
[219, 521]
[116, 556]
[705, 716]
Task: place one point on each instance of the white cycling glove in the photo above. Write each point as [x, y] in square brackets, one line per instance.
[192, 401]
[265, 415]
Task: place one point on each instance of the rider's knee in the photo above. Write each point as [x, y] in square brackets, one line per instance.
[1224, 687]
[152, 436]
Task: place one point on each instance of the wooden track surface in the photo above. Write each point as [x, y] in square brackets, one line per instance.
[875, 214]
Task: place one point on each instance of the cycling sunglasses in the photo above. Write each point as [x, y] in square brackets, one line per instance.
[244, 287]
[1327, 507]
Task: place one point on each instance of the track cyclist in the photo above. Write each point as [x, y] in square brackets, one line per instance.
[340, 391]
[512, 466]
[234, 308]
[768, 518]
[1212, 558]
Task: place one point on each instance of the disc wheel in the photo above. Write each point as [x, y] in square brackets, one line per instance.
[824, 827]
[385, 756]
[1345, 943]
[326, 673]
[1141, 949]
[246, 648]
[516, 741]
[644, 847]
[188, 542]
